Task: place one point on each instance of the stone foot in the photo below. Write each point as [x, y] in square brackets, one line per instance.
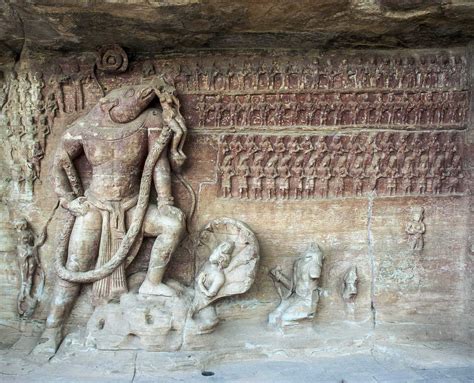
[148, 288]
[206, 320]
[49, 342]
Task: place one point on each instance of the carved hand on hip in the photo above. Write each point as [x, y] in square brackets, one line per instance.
[77, 207]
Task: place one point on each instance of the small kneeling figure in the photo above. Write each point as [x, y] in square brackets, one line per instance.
[300, 300]
[209, 281]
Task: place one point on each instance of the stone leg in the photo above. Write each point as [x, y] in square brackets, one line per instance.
[168, 224]
[83, 249]
[300, 309]
[207, 320]
[275, 316]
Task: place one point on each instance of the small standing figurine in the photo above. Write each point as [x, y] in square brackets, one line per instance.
[300, 300]
[415, 229]
[29, 265]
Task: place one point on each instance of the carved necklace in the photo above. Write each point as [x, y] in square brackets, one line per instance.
[123, 131]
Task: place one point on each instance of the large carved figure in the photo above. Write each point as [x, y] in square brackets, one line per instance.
[107, 221]
[299, 294]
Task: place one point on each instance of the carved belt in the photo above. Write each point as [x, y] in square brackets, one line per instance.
[113, 230]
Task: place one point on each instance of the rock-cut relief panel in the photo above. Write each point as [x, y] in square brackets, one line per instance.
[317, 166]
[368, 71]
[25, 127]
[371, 90]
[439, 108]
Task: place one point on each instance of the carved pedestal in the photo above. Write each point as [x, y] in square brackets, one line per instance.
[140, 322]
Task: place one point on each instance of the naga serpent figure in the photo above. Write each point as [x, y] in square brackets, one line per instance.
[107, 221]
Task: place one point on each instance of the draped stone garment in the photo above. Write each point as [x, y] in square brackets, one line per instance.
[113, 230]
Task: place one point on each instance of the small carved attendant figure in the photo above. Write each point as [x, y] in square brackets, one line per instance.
[453, 174]
[173, 118]
[357, 174]
[437, 174]
[349, 287]
[416, 229]
[307, 145]
[28, 263]
[391, 173]
[293, 145]
[257, 175]
[38, 154]
[324, 174]
[202, 110]
[250, 147]
[231, 252]
[309, 175]
[280, 145]
[284, 176]
[208, 283]
[270, 176]
[52, 108]
[235, 146]
[297, 171]
[227, 172]
[243, 172]
[423, 171]
[340, 173]
[302, 293]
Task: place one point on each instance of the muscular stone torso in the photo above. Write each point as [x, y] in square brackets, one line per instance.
[116, 156]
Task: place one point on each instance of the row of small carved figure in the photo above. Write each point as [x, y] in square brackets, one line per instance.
[290, 110]
[26, 124]
[22, 105]
[285, 167]
[349, 73]
[21, 93]
[25, 166]
[23, 97]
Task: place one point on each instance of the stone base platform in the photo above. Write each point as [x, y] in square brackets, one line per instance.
[142, 322]
[155, 323]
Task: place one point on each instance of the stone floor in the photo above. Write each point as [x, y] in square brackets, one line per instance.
[423, 362]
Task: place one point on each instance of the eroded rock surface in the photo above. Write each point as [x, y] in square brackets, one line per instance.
[176, 25]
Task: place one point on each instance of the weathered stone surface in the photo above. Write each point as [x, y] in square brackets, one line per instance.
[139, 322]
[336, 147]
[176, 25]
[227, 254]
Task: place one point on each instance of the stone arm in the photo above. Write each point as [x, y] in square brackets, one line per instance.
[281, 278]
[217, 283]
[423, 228]
[162, 176]
[67, 184]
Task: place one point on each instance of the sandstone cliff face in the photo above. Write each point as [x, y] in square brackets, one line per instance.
[402, 115]
[151, 26]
